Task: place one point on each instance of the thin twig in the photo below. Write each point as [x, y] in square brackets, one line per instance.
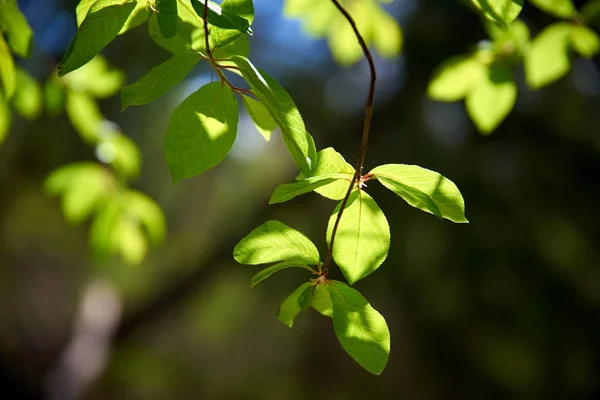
[365, 133]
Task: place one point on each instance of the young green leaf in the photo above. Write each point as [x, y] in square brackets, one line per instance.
[557, 8]
[492, 98]
[119, 152]
[143, 209]
[455, 78]
[138, 16]
[190, 31]
[296, 302]
[8, 76]
[585, 41]
[54, 97]
[85, 116]
[159, 80]
[289, 191]
[27, 100]
[222, 18]
[131, 241]
[96, 78]
[362, 240]
[361, 330]
[5, 118]
[101, 25]
[18, 30]
[500, 11]
[280, 105]
[274, 241]
[548, 57]
[228, 42]
[330, 161]
[201, 131]
[423, 189]
[267, 272]
[321, 301]
[167, 17]
[260, 116]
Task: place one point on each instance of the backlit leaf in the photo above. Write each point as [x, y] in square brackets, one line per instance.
[330, 161]
[13, 22]
[5, 118]
[27, 100]
[159, 80]
[455, 78]
[96, 78]
[167, 17]
[585, 41]
[265, 124]
[101, 25]
[321, 301]
[362, 240]
[280, 105]
[558, 8]
[201, 131]
[296, 302]
[145, 211]
[491, 98]
[361, 330]
[8, 76]
[548, 57]
[267, 272]
[221, 17]
[423, 189]
[289, 191]
[85, 116]
[274, 241]
[500, 11]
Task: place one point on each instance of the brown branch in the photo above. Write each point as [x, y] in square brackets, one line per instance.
[365, 133]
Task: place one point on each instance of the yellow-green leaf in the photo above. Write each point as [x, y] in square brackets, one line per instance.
[585, 41]
[548, 57]
[455, 78]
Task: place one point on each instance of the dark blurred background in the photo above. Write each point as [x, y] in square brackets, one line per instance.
[507, 306]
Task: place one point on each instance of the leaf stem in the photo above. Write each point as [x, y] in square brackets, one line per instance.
[365, 133]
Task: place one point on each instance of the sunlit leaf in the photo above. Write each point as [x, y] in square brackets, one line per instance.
[491, 98]
[27, 100]
[267, 272]
[296, 302]
[137, 17]
[101, 25]
[280, 105]
[85, 116]
[500, 11]
[548, 57]
[5, 118]
[511, 40]
[321, 301]
[228, 42]
[201, 131]
[167, 17]
[143, 209]
[120, 153]
[330, 161]
[361, 330]
[265, 124]
[289, 191]
[131, 241]
[221, 17]
[362, 240]
[159, 80]
[96, 78]
[54, 97]
[190, 31]
[558, 8]
[8, 76]
[274, 241]
[585, 41]
[103, 238]
[455, 77]
[13, 22]
[423, 189]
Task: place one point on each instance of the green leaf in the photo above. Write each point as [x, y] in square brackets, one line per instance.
[101, 25]
[296, 302]
[280, 105]
[557, 8]
[289, 191]
[330, 161]
[423, 189]
[201, 131]
[120, 152]
[7, 70]
[265, 124]
[13, 22]
[103, 239]
[267, 272]
[585, 41]
[54, 97]
[362, 240]
[500, 11]
[455, 78]
[85, 116]
[167, 17]
[159, 80]
[274, 241]
[137, 17]
[5, 118]
[27, 100]
[221, 17]
[95, 78]
[144, 210]
[321, 301]
[492, 98]
[361, 330]
[225, 46]
[131, 241]
[190, 31]
[548, 57]
[513, 40]
[591, 13]
[83, 187]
